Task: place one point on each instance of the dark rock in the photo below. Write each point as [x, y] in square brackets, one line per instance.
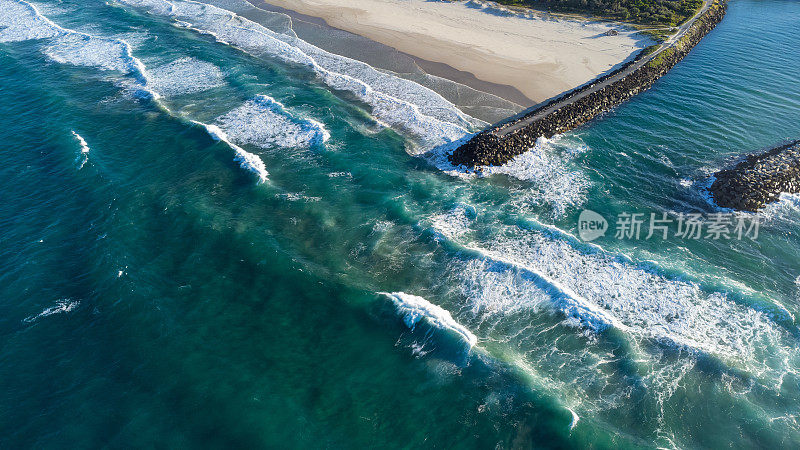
[489, 149]
[743, 188]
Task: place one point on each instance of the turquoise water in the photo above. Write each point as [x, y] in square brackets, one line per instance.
[323, 289]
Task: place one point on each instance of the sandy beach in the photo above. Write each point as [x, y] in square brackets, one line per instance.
[537, 54]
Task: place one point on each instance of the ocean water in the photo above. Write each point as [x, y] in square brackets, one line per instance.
[215, 233]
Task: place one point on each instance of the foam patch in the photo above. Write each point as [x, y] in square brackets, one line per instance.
[527, 268]
[186, 76]
[397, 101]
[265, 123]
[61, 307]
[20, 21]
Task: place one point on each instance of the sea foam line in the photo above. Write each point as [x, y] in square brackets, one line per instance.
[414, 309]
[246, 159]
[83, 49]
[570, 303]
[84, 146]
[600, 291]
[129, 63]
[62, 306]
[441, 122]
[84, 154]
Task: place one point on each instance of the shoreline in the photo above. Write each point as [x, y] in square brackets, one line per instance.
[525, 59]
[502, 142]
[434, 68]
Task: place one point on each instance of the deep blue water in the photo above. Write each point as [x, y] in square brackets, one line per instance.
[323, 289]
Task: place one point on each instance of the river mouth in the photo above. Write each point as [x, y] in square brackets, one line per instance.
[500, 143]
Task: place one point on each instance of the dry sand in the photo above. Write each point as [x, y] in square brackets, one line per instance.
[537, 54]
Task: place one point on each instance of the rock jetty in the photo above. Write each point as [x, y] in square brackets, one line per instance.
[500, 143]
[758, 179]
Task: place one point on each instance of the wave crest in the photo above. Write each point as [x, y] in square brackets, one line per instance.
[397, 101]
[415, 309]
[246, 159]
[264, 122]
[23, 21]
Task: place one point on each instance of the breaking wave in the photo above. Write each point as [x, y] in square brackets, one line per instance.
[414, 309]
[83, 157]
[246, 159]
[23, 21]
[593, 290]
[397, 101]
[20, 21]
[265, 123]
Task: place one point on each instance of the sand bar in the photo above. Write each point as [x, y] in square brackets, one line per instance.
[537, 54]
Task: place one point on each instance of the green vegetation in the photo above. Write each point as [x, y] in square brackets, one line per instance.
[643, 12]
[650, 49]
[662, 57]
[660, 34]
[685, 42]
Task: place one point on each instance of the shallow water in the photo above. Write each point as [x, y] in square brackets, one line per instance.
[241, 239]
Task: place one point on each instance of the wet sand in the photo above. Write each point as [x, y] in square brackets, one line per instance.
[523, 58]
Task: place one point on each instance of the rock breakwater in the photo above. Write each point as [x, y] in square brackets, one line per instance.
[500, 143]
[758, 179]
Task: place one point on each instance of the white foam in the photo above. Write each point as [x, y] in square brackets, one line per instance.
[546, 166]
[595, 290]
[246, 159]
[62, 306]
[186, 76]
[80, 49]
[23, 21]
[340, 175]
[787, 208]
[57, 9]
[495, 290]
[574, 420]
[577, 309]
[703, 190]
[20, 21]
[84, 146]
[558, 184]
[797, 284]
[453, 223]
[70, 46]
[264, 122]
[397, 101]
[83, 157]
[298, 197]
[414, 309]
[640, 302]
